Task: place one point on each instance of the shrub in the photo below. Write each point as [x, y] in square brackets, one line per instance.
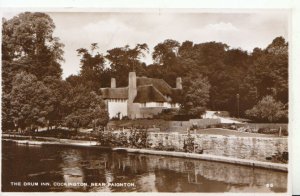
[188, 145]
[217, 126]
[123, 141]
[285, 132]
[106, 138]
[194, 127]
[125, 118]
[267, 131]
[165, 148]
[160, 146]
[167, 114]
[279, 157]
[115, 118]
[138, 138]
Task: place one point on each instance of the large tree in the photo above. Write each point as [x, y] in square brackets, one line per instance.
[92, 66]
[31, 102]
[28, 39]
[30, 52]
[196, 95]
[271, 70]
[58, 90]
[165, 57]
[84, 108]
[122, 60]
[165, 53]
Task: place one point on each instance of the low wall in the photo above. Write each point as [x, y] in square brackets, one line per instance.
[163, 125]
[253, 148]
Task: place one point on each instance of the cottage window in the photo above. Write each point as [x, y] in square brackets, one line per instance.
[143, 104]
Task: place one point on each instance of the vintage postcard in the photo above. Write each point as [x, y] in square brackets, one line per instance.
[145, 100]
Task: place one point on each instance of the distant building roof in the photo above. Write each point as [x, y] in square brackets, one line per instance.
[115, 93]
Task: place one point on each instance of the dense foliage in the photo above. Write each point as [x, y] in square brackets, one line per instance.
[268, 109]
[213, 74]
[33, 92]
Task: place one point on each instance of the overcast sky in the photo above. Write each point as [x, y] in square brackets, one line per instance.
[239, 30]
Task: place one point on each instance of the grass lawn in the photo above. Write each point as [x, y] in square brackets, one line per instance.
[228, 132]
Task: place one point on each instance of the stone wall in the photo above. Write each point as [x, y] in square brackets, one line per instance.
[253, 148]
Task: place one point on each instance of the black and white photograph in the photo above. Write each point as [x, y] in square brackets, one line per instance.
[145, 100]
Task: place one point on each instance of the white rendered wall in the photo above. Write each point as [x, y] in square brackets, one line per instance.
[155, 104]
[116, 106]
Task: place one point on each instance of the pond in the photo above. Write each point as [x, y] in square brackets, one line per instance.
[53, 168]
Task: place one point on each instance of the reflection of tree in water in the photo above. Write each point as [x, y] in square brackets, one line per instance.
[71, 168]
[28, 164]
[127, 168]
[112, 167]
[148, 172]
[186, 182]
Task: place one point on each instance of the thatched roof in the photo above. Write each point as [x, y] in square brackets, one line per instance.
[148, 90]
[115, 93]
[161, 85]
[176, 95]
[148, 93]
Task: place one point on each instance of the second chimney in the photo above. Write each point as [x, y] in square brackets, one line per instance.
[113, 83]
[178, 83]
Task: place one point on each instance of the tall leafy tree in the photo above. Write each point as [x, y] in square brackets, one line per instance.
[28, 39]
[31, 52]
[165, 57]
[271, 70]
[84, 108]
[92, 66]
[31, 102]
[196, 95]
[122, 60]
[165, 53]
[58, 89]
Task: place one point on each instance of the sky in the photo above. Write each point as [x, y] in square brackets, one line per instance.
[245, 30]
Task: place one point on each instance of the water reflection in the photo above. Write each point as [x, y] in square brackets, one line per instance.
[147, 172]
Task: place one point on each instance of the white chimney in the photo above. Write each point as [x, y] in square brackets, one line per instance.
[113, 83]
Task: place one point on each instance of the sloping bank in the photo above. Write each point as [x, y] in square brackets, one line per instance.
[208, 157]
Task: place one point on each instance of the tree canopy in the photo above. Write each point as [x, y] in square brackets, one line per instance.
[31, 101]
[34, 93]
[213, 74]
[28, 38]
